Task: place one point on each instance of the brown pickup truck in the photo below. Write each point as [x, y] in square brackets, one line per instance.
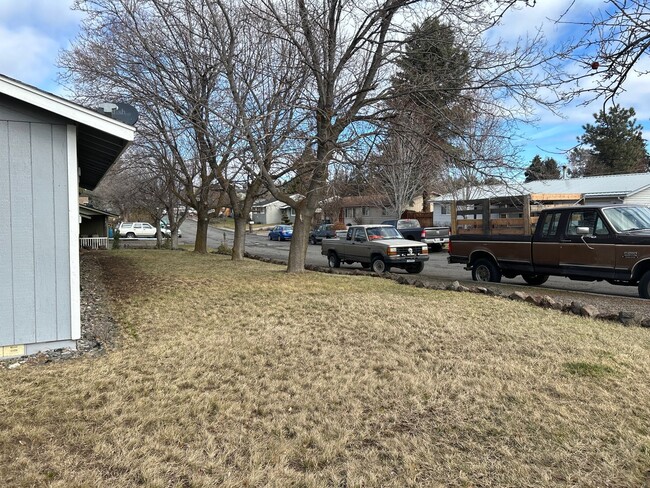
[587, 243]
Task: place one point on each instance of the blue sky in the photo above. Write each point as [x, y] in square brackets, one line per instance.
[32, 32]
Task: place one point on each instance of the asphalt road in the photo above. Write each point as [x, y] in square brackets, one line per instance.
[437, 266]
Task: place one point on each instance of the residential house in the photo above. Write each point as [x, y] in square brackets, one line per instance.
[631, 188]
[49, 148]
[272, 211]
[367, 209]
[93, 227]
[267, 211]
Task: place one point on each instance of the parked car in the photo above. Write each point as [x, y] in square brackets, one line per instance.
[131, 230]
[379, 247]
[281, 233]
[324, 231]
[165, 229]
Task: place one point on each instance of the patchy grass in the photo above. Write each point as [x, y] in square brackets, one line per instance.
[588, 369]
[238, 374]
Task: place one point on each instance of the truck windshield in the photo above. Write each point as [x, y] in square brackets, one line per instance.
[383, 233]
[626, 219]
[407, 223]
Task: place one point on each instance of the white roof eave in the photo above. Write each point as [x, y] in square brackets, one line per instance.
[66, 109]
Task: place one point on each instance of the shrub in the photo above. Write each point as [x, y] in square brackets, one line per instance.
[116, 240]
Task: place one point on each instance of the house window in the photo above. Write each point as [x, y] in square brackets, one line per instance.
[444, 209]
[292, 212]
[349, 212]
[365, 211]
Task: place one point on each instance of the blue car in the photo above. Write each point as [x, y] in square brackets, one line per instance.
[281, 233]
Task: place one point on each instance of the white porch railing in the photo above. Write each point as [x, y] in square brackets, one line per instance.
[93, 242]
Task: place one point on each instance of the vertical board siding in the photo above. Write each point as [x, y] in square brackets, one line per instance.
[35, 302]
[22, 231]
[43, 222]
[6, 251]
[62, 230]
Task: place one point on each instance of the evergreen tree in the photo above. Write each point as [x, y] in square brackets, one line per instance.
[539, 169]
[434, 67]
[616, 143]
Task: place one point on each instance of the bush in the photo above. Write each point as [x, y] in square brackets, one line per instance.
[224, 249]
[116, 240]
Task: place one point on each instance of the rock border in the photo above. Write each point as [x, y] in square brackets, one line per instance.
[624, 318]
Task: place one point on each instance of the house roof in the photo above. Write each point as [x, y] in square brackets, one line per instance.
[265, 203]
[100, 139]
[86, 212]
[592, 186]
[364, 201]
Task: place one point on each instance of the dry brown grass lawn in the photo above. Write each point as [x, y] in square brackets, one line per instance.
[237, 374]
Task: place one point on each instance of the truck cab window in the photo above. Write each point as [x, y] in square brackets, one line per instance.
[600, 229]
[581, 218]
[551, 223]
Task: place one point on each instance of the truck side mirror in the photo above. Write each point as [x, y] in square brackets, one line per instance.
[583, 231]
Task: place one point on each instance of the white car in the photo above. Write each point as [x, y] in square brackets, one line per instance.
[131, 230]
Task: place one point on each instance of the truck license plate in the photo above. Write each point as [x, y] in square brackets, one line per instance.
[410, 260]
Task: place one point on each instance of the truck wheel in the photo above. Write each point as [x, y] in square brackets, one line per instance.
[379, 266]
[312, 240]
[644, 285]
[485, 270]
[414, 268]
[535, 279]
[333, 260]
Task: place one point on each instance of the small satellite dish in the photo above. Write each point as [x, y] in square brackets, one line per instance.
[119, 111]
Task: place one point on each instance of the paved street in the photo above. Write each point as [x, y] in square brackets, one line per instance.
[437, 266]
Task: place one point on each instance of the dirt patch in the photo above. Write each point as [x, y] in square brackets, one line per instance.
[121, 278]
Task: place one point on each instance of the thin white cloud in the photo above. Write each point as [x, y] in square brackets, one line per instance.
[26, 54]
[32, 32]
[50, 15]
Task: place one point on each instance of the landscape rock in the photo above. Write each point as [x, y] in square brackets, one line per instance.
[519, 296]
[627, 318]
[575, 308]
[548, 302]
[453, 286]
[589, 311]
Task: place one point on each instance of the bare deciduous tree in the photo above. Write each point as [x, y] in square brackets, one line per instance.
[615, 44]
[153, 54]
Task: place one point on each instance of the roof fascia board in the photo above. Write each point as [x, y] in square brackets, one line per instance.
[66, 109]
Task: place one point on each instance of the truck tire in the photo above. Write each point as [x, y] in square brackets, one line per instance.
[333, 260]
[486, 270]
[312, 240]
[414, 268]
[379, 266]
[644, 285]
[534, 279]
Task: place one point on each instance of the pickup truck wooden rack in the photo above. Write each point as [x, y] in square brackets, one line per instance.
[505, 215]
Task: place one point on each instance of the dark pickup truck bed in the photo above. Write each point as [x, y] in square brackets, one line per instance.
[588, 243]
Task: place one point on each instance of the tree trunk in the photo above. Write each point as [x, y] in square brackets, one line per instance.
[239, 240]
[298, 248]
[201, 241]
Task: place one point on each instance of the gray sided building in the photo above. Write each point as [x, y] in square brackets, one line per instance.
[48, 148]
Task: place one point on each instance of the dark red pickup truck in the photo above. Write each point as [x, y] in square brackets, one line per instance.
[587, 243]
